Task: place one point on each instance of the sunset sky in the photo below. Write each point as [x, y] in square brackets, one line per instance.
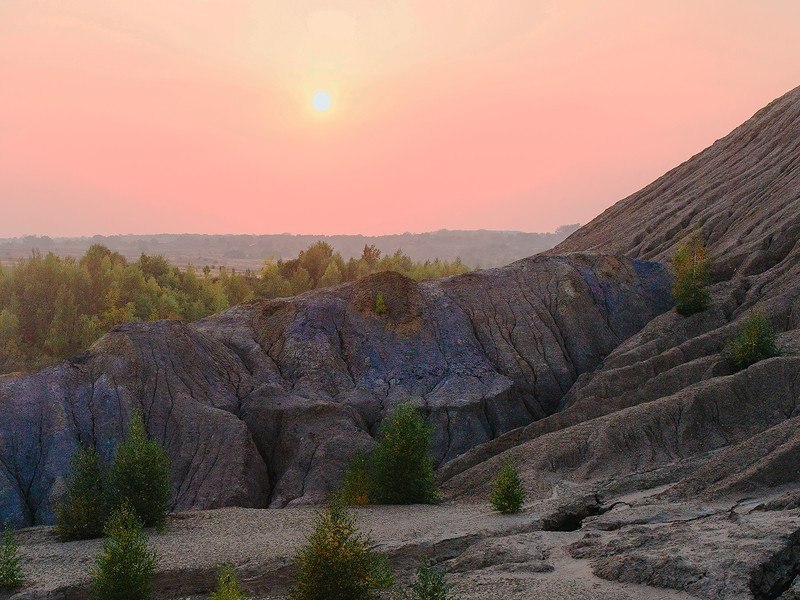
[199, 116]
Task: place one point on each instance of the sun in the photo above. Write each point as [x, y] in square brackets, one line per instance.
[321, 101]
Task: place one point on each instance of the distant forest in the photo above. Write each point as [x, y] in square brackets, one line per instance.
[52, 307]
[475, 248]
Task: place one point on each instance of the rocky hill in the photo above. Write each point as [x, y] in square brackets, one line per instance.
[743, 193]
[264, 404]
[664, 412]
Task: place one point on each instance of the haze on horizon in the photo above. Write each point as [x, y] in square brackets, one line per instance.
[189, 116]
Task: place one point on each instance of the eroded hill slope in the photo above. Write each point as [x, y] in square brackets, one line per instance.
[664, 412]
[264, 404]
[743, 192]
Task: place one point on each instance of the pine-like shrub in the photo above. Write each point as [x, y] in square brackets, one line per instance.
[10, 570]
[227, 585]
[140, 475]
[692, 268]
[430, 585]
[755, 342]
[84, 510]
[125, 566]
[336, 563]
[508, 494]
[355, 489]
[401, 463]
[380, 304]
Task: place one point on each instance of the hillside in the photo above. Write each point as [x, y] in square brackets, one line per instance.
[743, 193]
[664, 412]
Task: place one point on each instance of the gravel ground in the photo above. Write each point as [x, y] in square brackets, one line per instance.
[261, 544]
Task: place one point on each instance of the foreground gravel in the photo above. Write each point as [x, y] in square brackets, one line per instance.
[262, 543]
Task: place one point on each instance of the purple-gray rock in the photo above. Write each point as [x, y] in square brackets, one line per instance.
[264, 404]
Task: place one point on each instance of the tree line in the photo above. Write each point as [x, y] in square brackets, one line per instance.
[52, 307]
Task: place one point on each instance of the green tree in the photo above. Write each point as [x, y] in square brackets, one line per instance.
[140, 475]
[356, 486]
[60, 337]
[237, 287]
[332, 275]
[430, 585]
[10, 570]
[315, 260]
[508, 494]
[52, 307]
[301, 281]
[371, 255]
[98, 262]
[84, 510]
[273, 283]
[227, 585]
[692, 268]
[756, 341]
[156, 267]
[380, 304]
[98, 258]
[11, 355]
[336, 563]
[125, 566]
[401, 463]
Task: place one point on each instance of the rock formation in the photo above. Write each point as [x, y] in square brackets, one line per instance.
[264, 404]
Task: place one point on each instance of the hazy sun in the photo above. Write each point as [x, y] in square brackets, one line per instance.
[321, 101]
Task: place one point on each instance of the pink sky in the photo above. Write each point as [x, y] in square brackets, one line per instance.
[194, 115]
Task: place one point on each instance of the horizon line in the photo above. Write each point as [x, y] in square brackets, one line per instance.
[285, 233]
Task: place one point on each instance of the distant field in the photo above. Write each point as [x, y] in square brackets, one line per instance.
[241, 252]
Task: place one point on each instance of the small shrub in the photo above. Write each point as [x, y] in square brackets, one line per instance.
[508, 494]
[227, 585]
[336, 563]
[755, 342]
[10, 570]
[355, 489]
[430, 585]
[140, 475]
[380, 304]
[401, 464]
[125, 566]
[692, 276]
[83, 512]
